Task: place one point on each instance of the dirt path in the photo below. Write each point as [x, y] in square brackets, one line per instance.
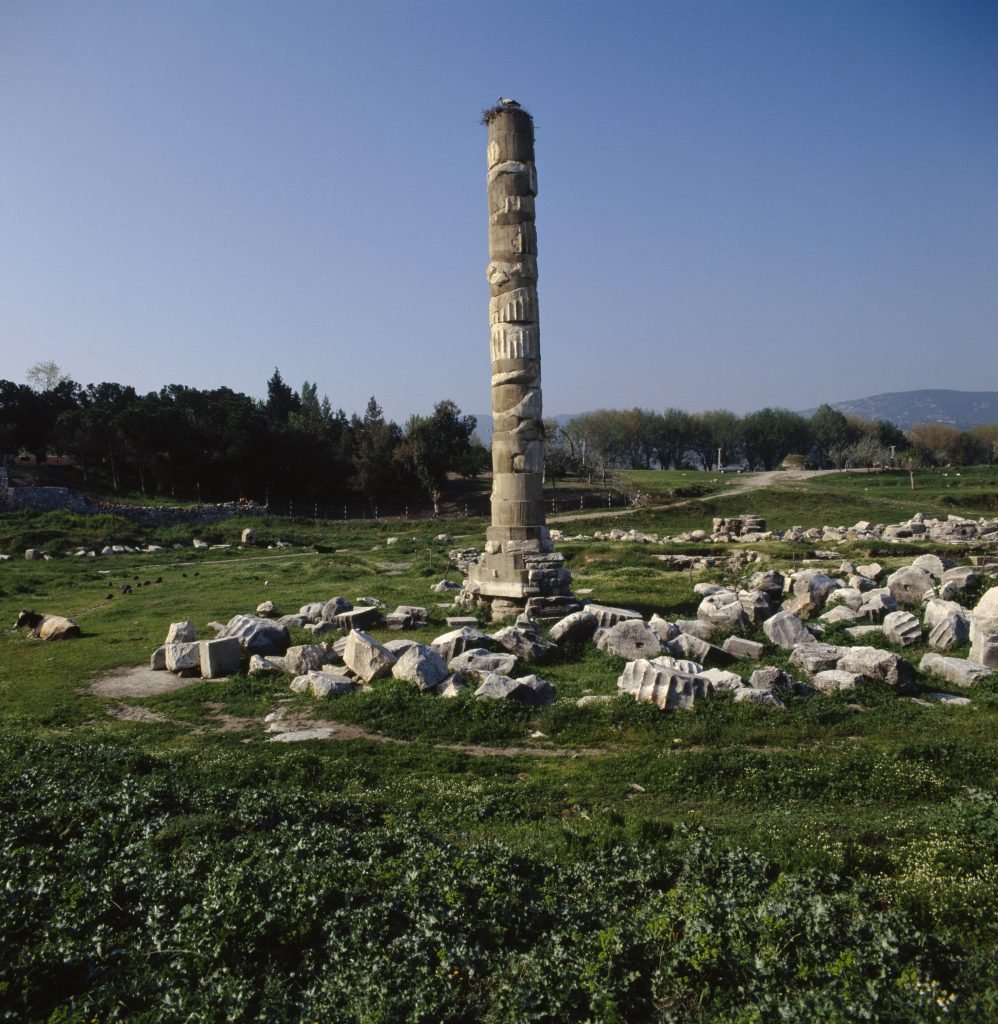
[281, 725]
[741, 484]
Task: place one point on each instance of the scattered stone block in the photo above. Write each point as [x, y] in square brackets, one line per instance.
[292, 621]
[630, 639]
[664, 629]
[323, 684]
[457, 641]
[958, 671]
[181, 633]
[157, 660]
[664, 687]
[984, 631]
[761, 698]
[688, 646]
[479, 663]
[607, 616]
[909, 584]
[684, 665]
[959, 578]
[851, 597]
[756, 604]
[220, 658]
[452, 687]
[529, 690]
[948, 624]
[770, 678]
[304, 658]
[577, 627]
[743, 649]
[785, 630]
[359, 618]
[400, 646]
[811, 587]
[266, 609]
[840, 613]
[723, 610]
[770, 582]
[933, 564]
[259, 665]
[695, 627]
[421, 665]
[318, 629]
[526, 644]
[880, 666]
[324, 732]
[858, 632]
[878, 603]
[366, 658]
[459, 621]
[258, 636]
[834, 680]
[902, 628]
[722, 679]
[593, 698]
[948, 699]
[312, 612]
[407, 616]
[183, 658]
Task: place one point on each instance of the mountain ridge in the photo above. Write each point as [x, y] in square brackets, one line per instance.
[906, 409]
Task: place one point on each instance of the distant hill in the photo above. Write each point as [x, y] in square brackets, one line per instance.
[905, 409]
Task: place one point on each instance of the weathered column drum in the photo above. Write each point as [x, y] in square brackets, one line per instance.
[519, 569]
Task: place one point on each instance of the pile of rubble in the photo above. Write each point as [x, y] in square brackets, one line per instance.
[671, 664]
[465, 656]
[951, 530]
[247, 540]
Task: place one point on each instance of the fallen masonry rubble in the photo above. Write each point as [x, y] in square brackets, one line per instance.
[951, 530]
[671, 664]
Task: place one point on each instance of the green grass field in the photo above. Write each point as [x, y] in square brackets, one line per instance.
[161, 861]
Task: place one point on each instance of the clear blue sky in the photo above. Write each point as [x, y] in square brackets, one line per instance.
[741, 204]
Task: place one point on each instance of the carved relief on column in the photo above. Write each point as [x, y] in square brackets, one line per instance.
[516, 341]
[516, 306]
[518, 533]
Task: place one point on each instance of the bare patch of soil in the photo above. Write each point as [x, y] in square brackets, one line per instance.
[131, 713]
[141, 681]
[138, 681]
[227, 723]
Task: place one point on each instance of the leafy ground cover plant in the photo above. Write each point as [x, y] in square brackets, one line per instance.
[833, 862]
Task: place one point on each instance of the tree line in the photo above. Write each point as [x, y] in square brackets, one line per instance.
[599, 442]
[218, 444]
[215, 445]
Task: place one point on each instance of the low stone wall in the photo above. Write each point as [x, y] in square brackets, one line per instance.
[49, 499]
[45, 499]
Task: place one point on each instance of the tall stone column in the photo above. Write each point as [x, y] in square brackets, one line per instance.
[519, 568]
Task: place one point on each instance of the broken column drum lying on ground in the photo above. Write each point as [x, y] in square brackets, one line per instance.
[519, 568]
